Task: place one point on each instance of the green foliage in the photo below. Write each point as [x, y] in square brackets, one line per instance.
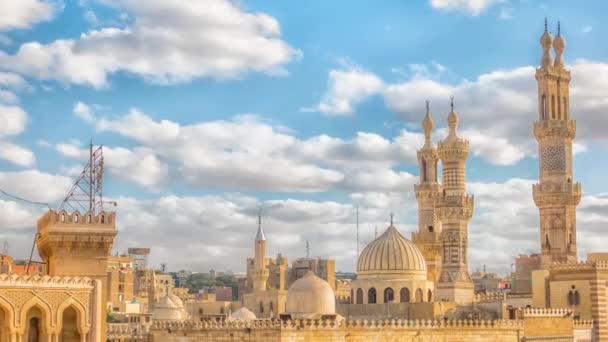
[110, 317]
[198, 281]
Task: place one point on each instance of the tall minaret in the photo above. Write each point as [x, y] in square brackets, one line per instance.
[260, 272]
[454, 209]
[428, 236]
[556, 195]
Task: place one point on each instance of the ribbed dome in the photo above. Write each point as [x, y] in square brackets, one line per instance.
[311, 295]
[391, 256]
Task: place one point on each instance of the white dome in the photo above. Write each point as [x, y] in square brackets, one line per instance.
[168, 309]
[391, 256]
[242, 314]
[176, 300]
[311, 295]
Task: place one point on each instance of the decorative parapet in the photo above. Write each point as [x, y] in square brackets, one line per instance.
[496, 296]
[578, 265]
[556, 194]
[555, 128]
[29, 281]
[62, 217]
[546, 312]
[583, 324]
[125, 332]
[333, 324]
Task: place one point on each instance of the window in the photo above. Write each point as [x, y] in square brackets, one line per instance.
[261, 307]
[389, 295]
[103, 219]
[565, 107]
[359, 296]
[371, 296]
[543, 108]
[271, 306]
[200, 311]
[574, 298]
[89, 218]
[423, 171]
[62, 218]
[430, 229]
[352, 297]
[553, 107]
[429, 296]
[76, 218]
[404, 295]
[419, 296]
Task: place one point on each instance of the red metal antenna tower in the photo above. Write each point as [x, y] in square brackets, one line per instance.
[87, 192]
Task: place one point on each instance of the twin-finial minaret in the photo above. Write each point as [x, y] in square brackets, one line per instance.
[444, 211]
[556, 195]
[558, 44]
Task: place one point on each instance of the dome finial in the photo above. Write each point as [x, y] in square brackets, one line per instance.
[558, 28]
[546, 24]
[559, 44]
[546, 40]
[427, 125]
[452, 119]
[452, 102]
[259, 236]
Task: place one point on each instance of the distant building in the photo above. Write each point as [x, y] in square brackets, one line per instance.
[486, 282]
[222, 293]
[120, 282]
[522, 277]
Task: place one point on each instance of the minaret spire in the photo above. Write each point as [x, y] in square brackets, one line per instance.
[259, 236]
[545, 41]
[559, 44]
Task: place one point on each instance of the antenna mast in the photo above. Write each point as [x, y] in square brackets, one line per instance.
[87, 192]
[357, 231]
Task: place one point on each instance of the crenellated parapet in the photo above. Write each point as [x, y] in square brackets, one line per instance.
[328, 324]
[547, 312]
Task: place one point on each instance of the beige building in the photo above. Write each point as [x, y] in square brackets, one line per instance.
[120, 282]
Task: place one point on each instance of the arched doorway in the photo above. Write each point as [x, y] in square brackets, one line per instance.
[33, 332]
[419, 295]
[371, 296]
[429, 296]
[389, 295]
[404, 295]
[69, 326]
[3, 327]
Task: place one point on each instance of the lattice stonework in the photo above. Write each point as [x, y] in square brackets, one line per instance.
[427, 218]
[553, 158]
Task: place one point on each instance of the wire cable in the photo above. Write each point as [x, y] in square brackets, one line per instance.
[23, 199]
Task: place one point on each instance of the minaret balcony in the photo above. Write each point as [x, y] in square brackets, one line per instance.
[554, 129]
[556, 194]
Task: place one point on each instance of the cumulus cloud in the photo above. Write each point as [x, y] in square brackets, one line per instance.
[347, 88]
[13, 121]
[165, 43]
[24, 13]
[474, 7]
[84, 112]
[246, 153]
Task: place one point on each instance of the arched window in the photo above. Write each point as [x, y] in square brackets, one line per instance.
[565, 104]
[547, 240]
[261, 307]
[574, 298]
[570, 237]
[271, 306]
[543, 109]
[419, 298]
[103, 219]
[404, 295]
[423, 171]
[553, 106]
[430, 229]
[221, 311]
[76, 218]
[62, 218]
[429, 296]
[352, 296]
[389, 295]
[89, 218]
[359, 296]
[371, 296]
[33, 331]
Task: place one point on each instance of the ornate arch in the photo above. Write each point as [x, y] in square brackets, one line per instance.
[81, 312]
[44, 307]
[9, 311]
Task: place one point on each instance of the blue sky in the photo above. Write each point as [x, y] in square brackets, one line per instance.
[210, 110]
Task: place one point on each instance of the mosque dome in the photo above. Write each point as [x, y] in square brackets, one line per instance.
[242, 314]
[391, 256]
[169, 307]
[310, 295]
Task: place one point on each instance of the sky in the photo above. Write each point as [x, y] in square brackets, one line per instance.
[210, 111]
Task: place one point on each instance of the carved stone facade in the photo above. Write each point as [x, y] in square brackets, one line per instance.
[556, 195]
[44, 308]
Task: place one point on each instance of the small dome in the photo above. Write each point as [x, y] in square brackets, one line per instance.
[546, 39]
[242, 314]
[167, 309]
[428, 124]
[391, 256]
[452, 119]
[311, 295]
[176, 300]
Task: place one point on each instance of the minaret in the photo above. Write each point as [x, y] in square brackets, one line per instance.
[428, 236]
[556, 195]
[454, 209]
[260, 272]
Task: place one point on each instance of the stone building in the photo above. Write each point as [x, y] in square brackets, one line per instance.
[522, 277]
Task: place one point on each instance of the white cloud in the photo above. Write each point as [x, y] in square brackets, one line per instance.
[166, 42]
[20, 14]
[35, 185]
[474, 7]
[16, 154]
[13, 120]
[587, 29]
[84, 111]
[347, 88]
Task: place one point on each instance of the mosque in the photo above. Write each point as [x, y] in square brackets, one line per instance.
[405, 290]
